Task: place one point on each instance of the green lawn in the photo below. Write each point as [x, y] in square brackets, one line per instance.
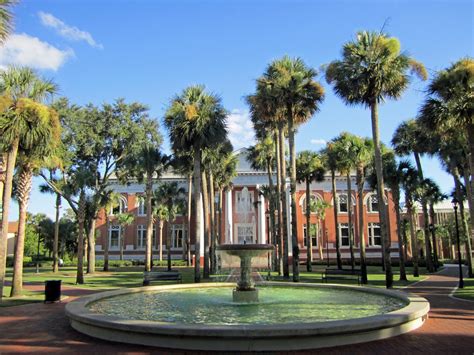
[133, 277]
[468, 291]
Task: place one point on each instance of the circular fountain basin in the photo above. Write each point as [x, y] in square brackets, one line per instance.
[204, 317]
[245, 250]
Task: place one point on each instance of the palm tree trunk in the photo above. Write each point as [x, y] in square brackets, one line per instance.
[197, 204]
[56, 235]
[7, 193]
[122, 241]
[426, 221]
[168, 239]
[286, 267]
[160, 238]
[470, 182]
[401, 252]
[189, 211]
[349, 212]
[309, 242]
[294, 222]
[380, 194]
[80, 237]
[320, 239]
[24, 189]
[470, 241]
[336, 223]
[106, 247]
[360, 200]
[219, 219]
[149, 221]
[464, 226]
[414, 242]
[433, 235]
[271, 205]
[205, 196]
[212, 223]
[91, 253]
[279, 231]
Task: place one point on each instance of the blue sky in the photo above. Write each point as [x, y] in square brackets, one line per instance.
[148, 51]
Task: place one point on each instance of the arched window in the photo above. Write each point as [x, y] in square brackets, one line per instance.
[141, 205]
[342, 203]
[373, 204]
[120, 207]
[314, 197]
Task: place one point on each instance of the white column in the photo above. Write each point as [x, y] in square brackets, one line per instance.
[261, 220]
[228, 217]
[288, 219]
[201, 246]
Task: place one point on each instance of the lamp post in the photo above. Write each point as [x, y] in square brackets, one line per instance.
[431, 227]
[455, 206]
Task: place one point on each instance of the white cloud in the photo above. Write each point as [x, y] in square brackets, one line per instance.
[240, 129]
[25, 50]
[66, 31]
[318, 141]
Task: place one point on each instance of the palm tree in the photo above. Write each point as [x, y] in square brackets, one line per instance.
[24, 122]
[196, 120]
[110, 200]
[410, 137]
[433, 195]
[319, 207]
[29, 162]
[409, 180]
[6, 18]
[161, 213]
[373, 69]
[124, 220]
[450, 105]
[309, 167]
[170, 196]
[291, 82]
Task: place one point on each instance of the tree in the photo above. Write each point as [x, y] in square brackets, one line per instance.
[124, 220]
[161, 213]
[410, 137]
[309, 167]
[6, 19]
[22, 126]
[109, 201]
[144, 161]
[291, 82]
[450, 105]
[330, 159]
[319, 207]
[170, 196]
[373, 69]
[196, 120]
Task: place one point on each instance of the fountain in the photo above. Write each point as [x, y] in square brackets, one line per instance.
[245, 290]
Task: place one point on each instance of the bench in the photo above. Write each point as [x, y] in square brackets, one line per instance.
[344, 274]
[149, 276]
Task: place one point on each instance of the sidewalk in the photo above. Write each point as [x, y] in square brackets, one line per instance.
[44, 328]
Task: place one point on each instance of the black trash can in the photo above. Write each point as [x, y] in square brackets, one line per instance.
[52, 291]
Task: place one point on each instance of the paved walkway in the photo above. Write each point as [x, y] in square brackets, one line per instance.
[44, 328]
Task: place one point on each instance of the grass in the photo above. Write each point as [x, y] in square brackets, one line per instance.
[133, 277]
[468, 291]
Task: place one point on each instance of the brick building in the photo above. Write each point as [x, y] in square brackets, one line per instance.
[245, 217]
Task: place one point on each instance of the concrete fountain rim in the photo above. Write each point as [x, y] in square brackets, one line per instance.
[247, 337]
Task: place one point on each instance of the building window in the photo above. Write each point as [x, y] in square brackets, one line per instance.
[141, 206]
[141, 236]
[313, 235]
[303, 206]
[245, 233]
[342, 203]
[178, 233]
[373, 204]
[375, 237]
[120, 207]
[343, 234]
[244, 200]
[114, 237]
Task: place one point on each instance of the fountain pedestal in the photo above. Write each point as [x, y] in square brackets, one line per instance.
[245, 292]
